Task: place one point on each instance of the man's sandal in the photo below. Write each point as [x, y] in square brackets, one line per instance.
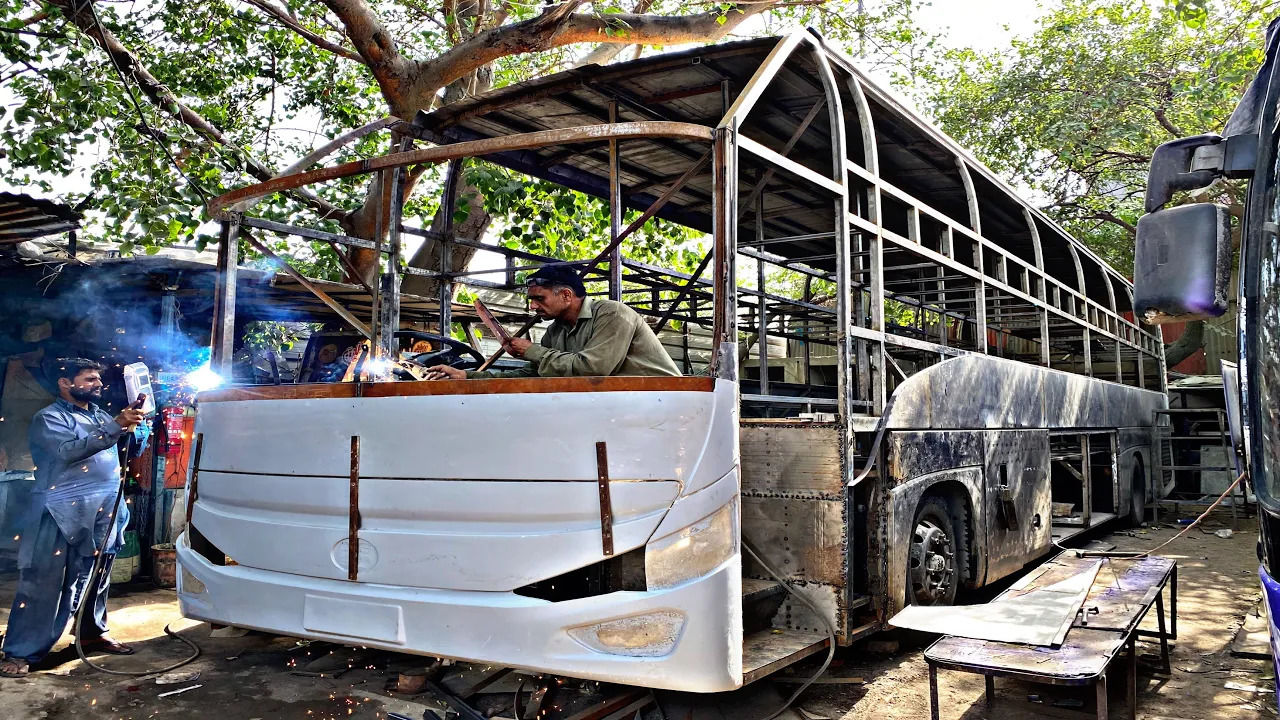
[14, 668]
[106, 645]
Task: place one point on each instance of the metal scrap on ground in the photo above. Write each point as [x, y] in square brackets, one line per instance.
[1038, 617]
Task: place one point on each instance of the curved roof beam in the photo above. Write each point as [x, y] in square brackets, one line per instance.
[751, 92]
[1035, 241]
[220, 206]
[970, 194]
[870, 152]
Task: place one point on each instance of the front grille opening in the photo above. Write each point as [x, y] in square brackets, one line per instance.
[623, 572]
[207, 549]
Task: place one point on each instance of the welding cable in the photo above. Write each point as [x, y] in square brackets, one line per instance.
[831, 630]
[1187, 529]
[89, 593]
[516, 712]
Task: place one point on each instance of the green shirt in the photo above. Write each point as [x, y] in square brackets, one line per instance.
[608, 339]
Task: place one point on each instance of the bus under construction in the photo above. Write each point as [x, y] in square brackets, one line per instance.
[916, 383]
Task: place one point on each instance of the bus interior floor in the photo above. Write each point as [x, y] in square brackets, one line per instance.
[885, 677]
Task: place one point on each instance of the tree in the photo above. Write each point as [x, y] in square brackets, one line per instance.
[183, 100]
[1074, 111]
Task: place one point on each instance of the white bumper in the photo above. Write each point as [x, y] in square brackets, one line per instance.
[492, 627]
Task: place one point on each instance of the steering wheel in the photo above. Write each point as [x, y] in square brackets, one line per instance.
[453, 353]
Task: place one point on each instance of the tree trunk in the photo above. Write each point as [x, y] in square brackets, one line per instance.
[1191, 340]
[363, 222]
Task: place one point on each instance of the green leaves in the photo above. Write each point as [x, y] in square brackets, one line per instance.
[1072, 113]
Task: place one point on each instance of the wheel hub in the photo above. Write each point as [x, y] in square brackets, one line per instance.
[932, 562]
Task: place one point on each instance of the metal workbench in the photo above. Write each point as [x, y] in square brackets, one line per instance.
[1122, 594]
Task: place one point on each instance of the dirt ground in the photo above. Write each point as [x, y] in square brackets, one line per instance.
[263, 676]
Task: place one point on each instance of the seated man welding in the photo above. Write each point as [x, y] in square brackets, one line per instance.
[587, 336]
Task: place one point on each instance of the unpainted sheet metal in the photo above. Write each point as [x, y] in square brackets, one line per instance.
[1040, 617]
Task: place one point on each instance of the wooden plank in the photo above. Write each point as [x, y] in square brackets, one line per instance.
[768, 651]
[496, 386]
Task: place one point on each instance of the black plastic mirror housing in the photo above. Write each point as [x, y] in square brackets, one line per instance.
[1182, 264]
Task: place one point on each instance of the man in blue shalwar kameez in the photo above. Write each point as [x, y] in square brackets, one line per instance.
[73, 446]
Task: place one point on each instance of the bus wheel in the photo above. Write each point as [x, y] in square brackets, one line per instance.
[932, 571]
[1137, 495]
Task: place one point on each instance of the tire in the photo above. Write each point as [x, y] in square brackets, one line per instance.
[933, 557]
[1137, 495]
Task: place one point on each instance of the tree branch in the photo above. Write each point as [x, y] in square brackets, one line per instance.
[540, 33]
[315, 39]
[160, 96]
[1166, 123]
[374, 43]
[1088, 213]
[605, 52]
[25, 22]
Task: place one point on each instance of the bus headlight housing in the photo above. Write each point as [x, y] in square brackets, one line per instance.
[190, 583]
[694, 551]
[652, 634]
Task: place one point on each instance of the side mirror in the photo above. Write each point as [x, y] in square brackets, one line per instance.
[1182, 264]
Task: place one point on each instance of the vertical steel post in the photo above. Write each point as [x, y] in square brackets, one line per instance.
[222, 339]
[389, 284]
[446, 246]
[763, 335]
[804, 332]
[724, 198]
[615, 211]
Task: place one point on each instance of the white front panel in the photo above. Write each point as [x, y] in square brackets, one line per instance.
[529, 436]
[465, 492]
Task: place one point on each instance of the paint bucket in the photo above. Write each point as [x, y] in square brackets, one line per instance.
[125, 566]
[164, 563]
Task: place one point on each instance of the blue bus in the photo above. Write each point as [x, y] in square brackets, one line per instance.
[1182, 271]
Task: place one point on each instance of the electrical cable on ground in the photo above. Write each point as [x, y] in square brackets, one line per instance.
[88, 598]
[1187, 529]
[831, 630]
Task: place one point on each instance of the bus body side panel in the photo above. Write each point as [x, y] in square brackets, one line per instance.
[945, 420]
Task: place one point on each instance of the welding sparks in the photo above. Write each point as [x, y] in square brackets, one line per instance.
[203, 378]
[379, 368]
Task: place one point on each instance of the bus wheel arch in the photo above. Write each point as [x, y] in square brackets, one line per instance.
[1137, 491]
[940, 546]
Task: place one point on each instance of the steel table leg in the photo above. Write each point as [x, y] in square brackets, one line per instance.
[933, 691]
[1164, 636]
[1173, 602]
[1101, 685]
[991, 691]
[1133, 677]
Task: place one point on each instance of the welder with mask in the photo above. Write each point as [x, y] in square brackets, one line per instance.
[73, 444]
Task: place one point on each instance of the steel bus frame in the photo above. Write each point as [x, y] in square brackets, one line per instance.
[954, 367]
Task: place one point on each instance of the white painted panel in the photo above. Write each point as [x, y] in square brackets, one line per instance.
[499, 508]
[383, 622]
[531, 436]
[497, 628]
[261, 541]
[443, 534]
[509, 535]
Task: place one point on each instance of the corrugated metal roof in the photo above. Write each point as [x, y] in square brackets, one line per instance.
[23, 217]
